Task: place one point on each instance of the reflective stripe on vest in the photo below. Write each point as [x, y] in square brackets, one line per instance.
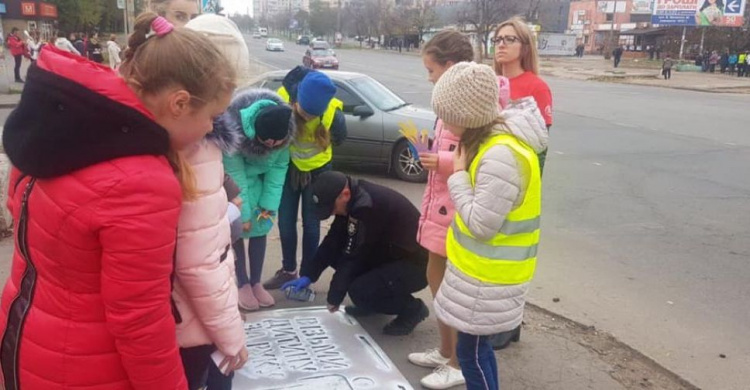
[306, 154]
[510, 256]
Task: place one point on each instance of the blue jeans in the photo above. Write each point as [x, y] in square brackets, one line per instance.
[477, 361]
[288, 211]
[256, 251]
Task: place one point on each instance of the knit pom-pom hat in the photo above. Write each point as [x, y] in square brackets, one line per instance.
[467, 95]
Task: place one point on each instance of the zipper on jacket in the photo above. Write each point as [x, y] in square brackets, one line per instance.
[23, 247]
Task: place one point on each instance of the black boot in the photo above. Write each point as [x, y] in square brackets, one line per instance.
[502, 340]
[405, 322]
[19, 80]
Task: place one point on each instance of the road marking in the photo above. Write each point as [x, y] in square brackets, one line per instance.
[557, 152]
[730, 143]
[597, 164]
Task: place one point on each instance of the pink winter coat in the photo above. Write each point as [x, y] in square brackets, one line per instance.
[205, 291]
[437, 207]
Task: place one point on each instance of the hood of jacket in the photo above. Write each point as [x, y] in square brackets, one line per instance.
[524, 120]
[228, 132]
[75, 113]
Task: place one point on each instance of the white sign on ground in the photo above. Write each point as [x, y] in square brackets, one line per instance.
[310, 348]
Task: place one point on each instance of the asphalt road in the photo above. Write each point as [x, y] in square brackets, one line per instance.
[645, 231]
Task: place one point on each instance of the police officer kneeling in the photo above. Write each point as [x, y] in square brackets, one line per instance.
[373, 249]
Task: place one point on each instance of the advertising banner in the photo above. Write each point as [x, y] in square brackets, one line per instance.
[554, 44]
[642, 7]
[722, 13]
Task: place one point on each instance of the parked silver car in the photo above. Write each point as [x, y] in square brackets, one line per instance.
[373, 113]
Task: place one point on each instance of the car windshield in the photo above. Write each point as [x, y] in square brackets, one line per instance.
[377, 93]
[322, 53]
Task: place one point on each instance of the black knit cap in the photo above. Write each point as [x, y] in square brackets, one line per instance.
[272, 123]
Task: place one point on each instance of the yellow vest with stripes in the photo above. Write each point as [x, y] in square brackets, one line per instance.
[306, 154]
[510, 256]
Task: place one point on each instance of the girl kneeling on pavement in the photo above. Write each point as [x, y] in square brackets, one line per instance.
[496, 191]
[257, 129]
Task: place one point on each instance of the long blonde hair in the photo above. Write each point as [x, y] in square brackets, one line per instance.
[182, 57]
[529, 53]
[472, 139]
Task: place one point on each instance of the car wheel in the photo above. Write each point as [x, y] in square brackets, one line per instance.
[405, 165]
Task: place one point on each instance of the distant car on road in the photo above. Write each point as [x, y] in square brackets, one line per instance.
[315, 44]
[320, 58]
[274, 44]
[373, 113]
[303, 40]
[256, 35]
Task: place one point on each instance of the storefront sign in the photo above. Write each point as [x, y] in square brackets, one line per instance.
[48, 10]
[310, 348]
[28, 8]
[727, 13]
[554, 44]
[642, 7]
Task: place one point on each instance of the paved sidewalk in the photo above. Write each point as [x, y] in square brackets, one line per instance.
[642, 72]
[553, 353]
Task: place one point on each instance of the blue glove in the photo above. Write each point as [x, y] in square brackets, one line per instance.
[297, 284]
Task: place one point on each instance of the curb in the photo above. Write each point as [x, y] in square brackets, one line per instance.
[8, 105]
[590, 329]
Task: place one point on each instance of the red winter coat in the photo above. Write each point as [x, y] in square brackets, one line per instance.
[89, 308]
[16, 45]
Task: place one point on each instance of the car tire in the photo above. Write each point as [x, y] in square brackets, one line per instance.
[404, 166]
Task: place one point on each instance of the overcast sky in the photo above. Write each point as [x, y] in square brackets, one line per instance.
[239, 6]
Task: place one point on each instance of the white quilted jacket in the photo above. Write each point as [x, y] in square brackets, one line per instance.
[463, 302]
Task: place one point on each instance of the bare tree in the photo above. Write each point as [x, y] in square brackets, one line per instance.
[485, 15]
[423, 18]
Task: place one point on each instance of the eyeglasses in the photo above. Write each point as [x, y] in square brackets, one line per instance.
[507, 39]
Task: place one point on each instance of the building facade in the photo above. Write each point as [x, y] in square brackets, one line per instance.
[29, 15]
[601, 25]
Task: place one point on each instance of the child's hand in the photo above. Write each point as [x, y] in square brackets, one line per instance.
[247, 226]
[429, 161]
[459, 159]
[237, 202]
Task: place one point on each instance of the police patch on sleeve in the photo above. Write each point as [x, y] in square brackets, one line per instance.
[351, 242]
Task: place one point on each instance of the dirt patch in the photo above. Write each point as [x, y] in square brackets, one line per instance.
[628, 367]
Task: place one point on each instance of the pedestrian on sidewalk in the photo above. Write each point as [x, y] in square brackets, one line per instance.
[445, 49]
[666, 67]
[117, 191]
[257, 129]
[320, 126]
[18, 50]
[496, 188]
[64, 44]
[517, 59]
[80, 45]
[372, 246]
[724, 61]
[617, 55]
[95, 49]
[741, 64]
[113, 52]
[732, 63]
[34, 44]
[713, 60]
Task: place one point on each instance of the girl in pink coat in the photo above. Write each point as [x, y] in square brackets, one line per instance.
[445, 49]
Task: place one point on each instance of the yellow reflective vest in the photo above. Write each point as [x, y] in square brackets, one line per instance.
[306, 154]
[510, 256]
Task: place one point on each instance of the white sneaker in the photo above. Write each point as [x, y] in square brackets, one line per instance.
[431, 359]
[444, 377]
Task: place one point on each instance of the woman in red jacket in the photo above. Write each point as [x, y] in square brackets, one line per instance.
[517, 59]
[96, 202]
[18, 51]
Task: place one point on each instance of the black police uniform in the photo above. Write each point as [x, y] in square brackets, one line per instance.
[375, 253]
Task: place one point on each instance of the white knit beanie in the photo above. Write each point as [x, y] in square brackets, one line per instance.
[466, 95]
[228, 38]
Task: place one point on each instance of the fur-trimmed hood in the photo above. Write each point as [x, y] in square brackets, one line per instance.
[228, 132]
